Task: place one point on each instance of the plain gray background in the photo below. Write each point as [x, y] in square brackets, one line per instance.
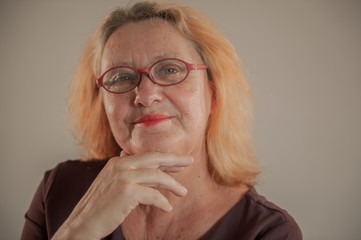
[302, 59]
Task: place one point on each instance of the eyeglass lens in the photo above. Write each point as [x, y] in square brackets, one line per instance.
[166, 72]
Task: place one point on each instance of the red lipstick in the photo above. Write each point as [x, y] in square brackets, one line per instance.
[151, 119]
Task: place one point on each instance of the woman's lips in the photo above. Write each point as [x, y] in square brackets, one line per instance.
[151, 119]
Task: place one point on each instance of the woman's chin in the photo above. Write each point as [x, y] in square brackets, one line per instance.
[158, 146]
[147, 148]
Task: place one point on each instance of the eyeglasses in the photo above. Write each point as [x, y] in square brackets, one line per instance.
[165, 72]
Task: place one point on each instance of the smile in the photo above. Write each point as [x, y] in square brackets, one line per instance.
[151, 119]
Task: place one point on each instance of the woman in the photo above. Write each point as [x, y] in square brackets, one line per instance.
[160, 97]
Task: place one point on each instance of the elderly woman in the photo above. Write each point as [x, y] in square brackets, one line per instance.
[163, 111]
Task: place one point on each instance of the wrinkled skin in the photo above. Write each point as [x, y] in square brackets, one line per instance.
[161, 178]
[189, 103]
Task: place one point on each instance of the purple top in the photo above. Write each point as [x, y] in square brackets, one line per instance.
[253, 217]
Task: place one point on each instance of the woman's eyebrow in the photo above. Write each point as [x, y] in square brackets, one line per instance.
[163, 56]
[150, 62]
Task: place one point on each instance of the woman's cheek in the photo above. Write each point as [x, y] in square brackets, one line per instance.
[194, 111]
[116, 116]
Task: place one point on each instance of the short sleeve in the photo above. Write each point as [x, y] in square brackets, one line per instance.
[287, 230]
[35, 223]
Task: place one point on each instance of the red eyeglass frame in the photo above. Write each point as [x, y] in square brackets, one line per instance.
[190, 67]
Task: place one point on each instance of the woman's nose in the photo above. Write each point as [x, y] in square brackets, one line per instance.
[147, 92]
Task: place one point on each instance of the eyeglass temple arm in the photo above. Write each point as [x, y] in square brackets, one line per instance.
[199, 66]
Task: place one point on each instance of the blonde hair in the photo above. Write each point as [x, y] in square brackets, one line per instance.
[229, 143]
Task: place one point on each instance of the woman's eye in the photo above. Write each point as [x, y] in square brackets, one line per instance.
[124, 78]
[119, 78]
[170, 71]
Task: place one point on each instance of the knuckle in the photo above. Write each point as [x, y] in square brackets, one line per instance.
[111, 162]
[120, 164]
[157, 173]
[125, 165]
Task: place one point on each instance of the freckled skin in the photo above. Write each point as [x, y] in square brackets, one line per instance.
[189, 103]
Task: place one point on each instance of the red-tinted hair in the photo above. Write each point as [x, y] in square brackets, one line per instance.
[229, 143]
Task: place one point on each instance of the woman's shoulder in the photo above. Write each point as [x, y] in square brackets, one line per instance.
[77, 165]
[262, 208]
[58, 193]
[266, 219]
[72, 171]
[254, 217]
[72, 175]
[65, 185]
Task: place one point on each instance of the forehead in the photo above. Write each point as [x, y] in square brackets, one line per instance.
[141, 43]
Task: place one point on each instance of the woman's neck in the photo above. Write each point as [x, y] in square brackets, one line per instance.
[199, 210]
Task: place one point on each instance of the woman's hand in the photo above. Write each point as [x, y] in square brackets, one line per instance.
[123, 184]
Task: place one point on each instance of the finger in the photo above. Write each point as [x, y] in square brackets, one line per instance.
[157, 179]
[156, 160]
[151, 196]
[171, 169]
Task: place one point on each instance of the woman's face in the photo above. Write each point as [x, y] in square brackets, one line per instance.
[152, 117]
